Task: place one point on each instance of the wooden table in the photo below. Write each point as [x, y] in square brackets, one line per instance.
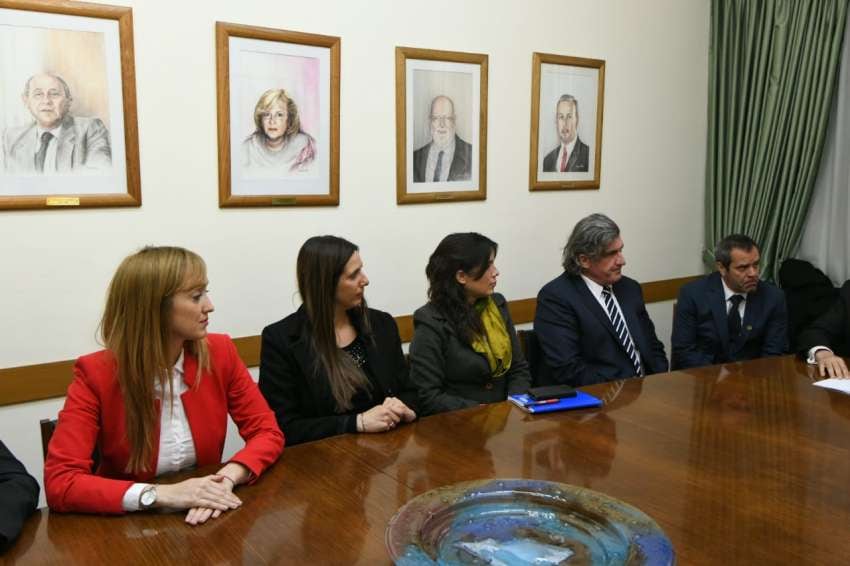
[739, 464]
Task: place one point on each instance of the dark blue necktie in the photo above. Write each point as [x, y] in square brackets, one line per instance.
[621, 330]
[734, 317]
[42, 151]
[439, 168]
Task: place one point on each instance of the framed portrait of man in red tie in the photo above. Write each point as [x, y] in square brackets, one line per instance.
[567, 96]
[68, 127]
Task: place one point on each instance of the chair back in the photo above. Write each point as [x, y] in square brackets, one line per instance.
[48, 427]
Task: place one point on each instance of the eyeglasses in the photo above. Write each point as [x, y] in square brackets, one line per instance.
[442, 120]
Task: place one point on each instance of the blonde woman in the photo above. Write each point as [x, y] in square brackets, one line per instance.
[278, 144]
[156, 400]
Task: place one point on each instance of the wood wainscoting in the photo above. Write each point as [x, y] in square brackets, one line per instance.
[48, 380]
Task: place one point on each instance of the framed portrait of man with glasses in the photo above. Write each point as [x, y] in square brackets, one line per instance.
[278, 117]
[441, 125]
[68, 127]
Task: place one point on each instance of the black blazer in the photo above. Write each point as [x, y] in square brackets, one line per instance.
[578, 161]
[831, 329]
[579, 343]
[461, 167]
[701, 332]
[18, 496]
[297, 388]
[449, 374]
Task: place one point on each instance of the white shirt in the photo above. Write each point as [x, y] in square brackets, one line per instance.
[176, 446]
[50, 156]
[445, 164]
[596, 290]
[569, 151]
[727, 292]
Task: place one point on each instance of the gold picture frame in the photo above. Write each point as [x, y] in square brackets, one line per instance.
[290, 160]
[455, 84]
[69, 129]
[567, 100]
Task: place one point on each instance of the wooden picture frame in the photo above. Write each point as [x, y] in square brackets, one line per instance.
[567, 99]
[455, 84]
[68, 123]
[278, 117]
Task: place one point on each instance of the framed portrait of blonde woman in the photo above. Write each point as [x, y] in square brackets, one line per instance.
[567, 98]
[68, 128]
[278, 117]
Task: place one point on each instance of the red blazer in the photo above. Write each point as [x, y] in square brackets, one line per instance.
[94, 415]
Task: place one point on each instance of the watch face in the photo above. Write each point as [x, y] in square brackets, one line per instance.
[148, 497]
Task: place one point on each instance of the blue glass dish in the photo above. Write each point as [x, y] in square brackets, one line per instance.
[511, 522]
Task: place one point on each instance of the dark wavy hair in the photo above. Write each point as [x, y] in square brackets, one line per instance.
[469, 252]
[321, 262]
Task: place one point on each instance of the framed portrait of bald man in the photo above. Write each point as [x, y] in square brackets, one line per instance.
[441, 126]
[567, 98]
[68, 129]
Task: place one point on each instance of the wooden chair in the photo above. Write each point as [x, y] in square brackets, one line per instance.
[47, 428]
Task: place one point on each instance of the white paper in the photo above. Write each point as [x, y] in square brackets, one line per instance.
[842, 385]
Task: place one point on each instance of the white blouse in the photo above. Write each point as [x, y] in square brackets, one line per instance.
[176, 447]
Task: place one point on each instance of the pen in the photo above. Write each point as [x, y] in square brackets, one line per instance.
[543, 402]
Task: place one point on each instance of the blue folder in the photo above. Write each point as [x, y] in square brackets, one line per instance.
[581, 400]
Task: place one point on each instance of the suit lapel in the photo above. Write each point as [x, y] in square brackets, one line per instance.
[196, 407]
[593, 306]
[65, 148]
[717, 301]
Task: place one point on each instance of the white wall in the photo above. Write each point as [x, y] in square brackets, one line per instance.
[56, 264]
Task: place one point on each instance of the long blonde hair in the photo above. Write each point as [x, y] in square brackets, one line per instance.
[136, 328]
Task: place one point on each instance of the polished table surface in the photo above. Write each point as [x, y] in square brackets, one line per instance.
[739, 464]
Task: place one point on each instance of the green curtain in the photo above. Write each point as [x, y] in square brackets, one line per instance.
[772, 70]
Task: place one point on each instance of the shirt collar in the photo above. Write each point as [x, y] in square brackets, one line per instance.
[594, 287]
[55, 131]
[727, 292]
[569, 146]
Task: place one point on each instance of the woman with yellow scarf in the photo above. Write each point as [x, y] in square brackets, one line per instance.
[465, 350]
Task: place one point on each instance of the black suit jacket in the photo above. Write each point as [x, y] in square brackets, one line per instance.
[701, 331]
[579, 159]
[831, 329]
[449, 374]
[18, 496]
[461, 168]
[578, 340]
[298, 390]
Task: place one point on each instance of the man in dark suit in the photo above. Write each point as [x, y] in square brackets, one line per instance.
[827, 339]
[18, 496]
[571, 154]
[591, 320]
[446, 157]
[730, 315]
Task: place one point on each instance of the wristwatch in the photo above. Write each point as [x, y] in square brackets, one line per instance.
[148, 497]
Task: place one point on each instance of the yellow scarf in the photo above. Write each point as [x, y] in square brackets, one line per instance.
[495, 344]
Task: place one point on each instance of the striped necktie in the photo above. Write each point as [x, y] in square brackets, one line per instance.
[620, 329]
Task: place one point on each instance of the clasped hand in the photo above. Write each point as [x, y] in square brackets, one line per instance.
[387, 415]
[205, 497]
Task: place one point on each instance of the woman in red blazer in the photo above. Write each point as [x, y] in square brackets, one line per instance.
[158, 350]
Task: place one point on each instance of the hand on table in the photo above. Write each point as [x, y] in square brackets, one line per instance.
[830, 365]
[401, 410]
[205, 497]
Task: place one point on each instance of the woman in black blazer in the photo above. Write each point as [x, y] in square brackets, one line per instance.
[335, 365]
[465, 350]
